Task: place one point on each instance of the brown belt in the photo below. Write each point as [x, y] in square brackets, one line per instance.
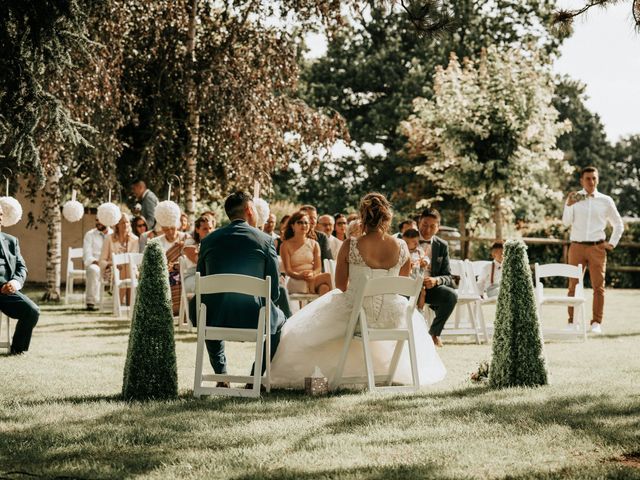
[597, 242]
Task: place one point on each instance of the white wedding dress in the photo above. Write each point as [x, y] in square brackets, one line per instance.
[314, 336]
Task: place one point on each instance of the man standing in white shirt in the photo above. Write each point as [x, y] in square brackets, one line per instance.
[91, 249]
[587, 212]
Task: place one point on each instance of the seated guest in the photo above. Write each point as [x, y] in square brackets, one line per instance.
[419, 261]
[489, 280]
[437, 284]
[203, 227]
[340, 231]
[325, 225]
[120, 241]
[185, 226]
[406, 225]
[243, 249]
[313, 234]
[91, 251]
[270, 226]
[301, 258]
[172, 241]
[13, 273]
[145, 237]
[139, 225]
[354, 229]
[282, 228]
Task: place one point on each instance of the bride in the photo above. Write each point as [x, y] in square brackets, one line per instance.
[314, 336]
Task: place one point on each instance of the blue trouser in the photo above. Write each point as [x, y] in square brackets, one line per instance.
[442, 300]
[20, 307]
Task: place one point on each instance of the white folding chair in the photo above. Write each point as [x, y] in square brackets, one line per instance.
[6, 341]
[577, 301]
[468, 303]
[261, 335]
[72, 272]
[183, 315]
[135, 260]
[118, 259]
[373, 287]
[301, 298]
[330, 267]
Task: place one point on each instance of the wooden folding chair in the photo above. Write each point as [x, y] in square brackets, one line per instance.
[261, 335]
[405, 286]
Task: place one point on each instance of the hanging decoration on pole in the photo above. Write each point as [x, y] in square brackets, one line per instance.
[11, 208]
[109, 213]
[168, 212]
[73, 211]
[261, 207]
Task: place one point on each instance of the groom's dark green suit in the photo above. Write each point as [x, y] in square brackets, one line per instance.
[242, 249]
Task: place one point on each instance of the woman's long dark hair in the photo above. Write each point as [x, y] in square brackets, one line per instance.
[288, 233]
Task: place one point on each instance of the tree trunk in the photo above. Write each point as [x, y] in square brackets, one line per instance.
[193, 118]
[53, 219]
[497, 218]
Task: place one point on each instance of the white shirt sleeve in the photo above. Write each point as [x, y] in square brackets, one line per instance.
[616, 221]
[87, 249]
[16, 284]
[567, 215]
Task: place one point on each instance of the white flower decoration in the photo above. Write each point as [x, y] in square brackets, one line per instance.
[262, 211]
[12, 211]
[73, 211]
[168, 214]
[109, 214]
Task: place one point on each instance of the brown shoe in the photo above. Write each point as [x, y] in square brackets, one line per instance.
[436, 341]
[249, 386]
[223, 385]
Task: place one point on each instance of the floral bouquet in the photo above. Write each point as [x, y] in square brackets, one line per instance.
[482, 374]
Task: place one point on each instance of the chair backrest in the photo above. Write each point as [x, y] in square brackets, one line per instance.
[135, 260]
[330, 267]
[558, 270]
[183, 267]
[233, 283]
[479, 265]
[464, 270]
[73, 253]
[118, 259]
[472, 277]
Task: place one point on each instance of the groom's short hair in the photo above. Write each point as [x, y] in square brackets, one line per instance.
[235, 203]
[430, 212]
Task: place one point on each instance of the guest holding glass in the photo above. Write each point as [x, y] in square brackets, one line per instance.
[301, 258]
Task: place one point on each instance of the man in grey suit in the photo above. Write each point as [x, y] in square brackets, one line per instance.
[243, 249]
[148, 201]
[13, 273]
[438, 283]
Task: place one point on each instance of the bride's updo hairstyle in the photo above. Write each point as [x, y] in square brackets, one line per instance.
[375, 212]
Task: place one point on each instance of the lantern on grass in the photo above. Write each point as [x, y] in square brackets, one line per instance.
[73, 211]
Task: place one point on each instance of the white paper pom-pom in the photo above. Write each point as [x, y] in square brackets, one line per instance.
[11, 211]
[73, 211]
[262, 211]
[109, 214]
[168, 214]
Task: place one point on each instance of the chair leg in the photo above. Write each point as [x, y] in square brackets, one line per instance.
[393, 366]
[257, 367]
[414, 360]
[66, 291]
[368, 361]
[337, 377]
[483, 325]
[474, 322]
[197, 381]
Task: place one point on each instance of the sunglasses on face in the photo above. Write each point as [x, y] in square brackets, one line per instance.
[140, 225]
[301, 222]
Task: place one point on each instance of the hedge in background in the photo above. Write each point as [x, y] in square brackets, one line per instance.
[517, 359]
[150, 371]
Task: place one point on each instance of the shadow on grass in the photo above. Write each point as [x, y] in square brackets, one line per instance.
[384, 472]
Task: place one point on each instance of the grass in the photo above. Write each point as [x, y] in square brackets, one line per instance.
[61, 416]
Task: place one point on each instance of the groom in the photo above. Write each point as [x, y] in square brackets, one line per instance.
[243, 249]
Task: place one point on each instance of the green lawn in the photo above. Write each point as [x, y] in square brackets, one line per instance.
[60, 415]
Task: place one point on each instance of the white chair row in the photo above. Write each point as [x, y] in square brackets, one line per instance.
[226, 283]
[116, 282]
[73, 273]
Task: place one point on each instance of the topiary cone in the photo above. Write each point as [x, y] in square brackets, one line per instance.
[517, 359]
[150, 371]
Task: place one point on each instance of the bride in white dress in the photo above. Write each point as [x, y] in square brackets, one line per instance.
[314, 336]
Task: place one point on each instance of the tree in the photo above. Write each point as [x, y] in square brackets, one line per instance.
[517, 352]
[566, 17]
[378, 63]
[489, 133]
[627, 163]
[151, 370]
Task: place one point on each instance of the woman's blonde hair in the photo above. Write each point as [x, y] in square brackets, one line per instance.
[375, 212]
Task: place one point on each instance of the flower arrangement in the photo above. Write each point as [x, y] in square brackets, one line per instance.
[109, 214]
[168, 214]
[482, 374]
[262, 211]
[11, 210]
[73, 211]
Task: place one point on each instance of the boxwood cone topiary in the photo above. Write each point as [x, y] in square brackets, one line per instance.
[150, 371]
[518, 359]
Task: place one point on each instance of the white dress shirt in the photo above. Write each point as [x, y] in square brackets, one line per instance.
[588, 218]
[334, 245]
[92, 245]
[484, 279]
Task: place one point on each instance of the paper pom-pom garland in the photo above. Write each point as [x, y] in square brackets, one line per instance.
[11, 211]
[73, 211]
[109, 214]
[168, 214]
[262, 211]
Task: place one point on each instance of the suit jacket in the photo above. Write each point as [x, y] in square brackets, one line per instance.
[17, 270]
[325, 248]
[242, 249]
[440, 267]
[149, 203]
